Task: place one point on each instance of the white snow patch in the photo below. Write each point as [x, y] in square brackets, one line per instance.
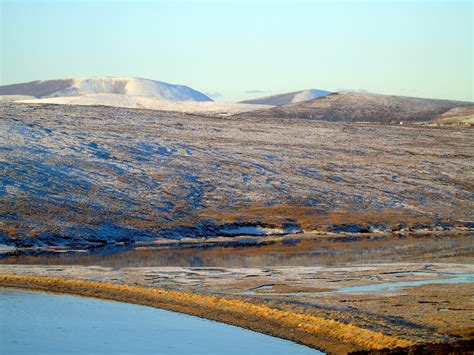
[151, 103]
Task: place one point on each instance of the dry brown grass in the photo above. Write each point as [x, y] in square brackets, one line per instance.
[314, 219]
[310, 330]
[10, 230]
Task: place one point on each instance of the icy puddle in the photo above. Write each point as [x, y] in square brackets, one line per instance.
[395, 285]
[376, 287]
[32, 323]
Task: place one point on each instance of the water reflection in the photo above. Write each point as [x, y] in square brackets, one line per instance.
[304, 252]
[40, 323]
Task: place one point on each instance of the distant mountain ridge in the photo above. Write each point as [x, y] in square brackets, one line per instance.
[314, 104]
[104, 85]
[362, 107]
[287, 98]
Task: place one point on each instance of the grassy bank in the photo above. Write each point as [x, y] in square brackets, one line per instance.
[317, 332]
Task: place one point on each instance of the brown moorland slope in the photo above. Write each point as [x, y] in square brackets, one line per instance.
[362, 107]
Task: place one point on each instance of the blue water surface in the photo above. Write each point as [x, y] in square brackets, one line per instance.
[42, 323]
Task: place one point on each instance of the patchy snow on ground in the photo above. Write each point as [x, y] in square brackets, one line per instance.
[152, 103]
[258, 230]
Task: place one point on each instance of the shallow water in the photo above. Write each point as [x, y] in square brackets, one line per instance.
[42, 323]
[376, 287]
[395, 285]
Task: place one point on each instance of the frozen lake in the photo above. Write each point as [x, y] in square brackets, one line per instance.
[33, 322]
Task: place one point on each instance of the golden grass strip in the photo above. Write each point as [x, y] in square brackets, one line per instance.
[226, 310]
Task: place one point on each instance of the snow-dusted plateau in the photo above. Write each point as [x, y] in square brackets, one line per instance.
[329, 219]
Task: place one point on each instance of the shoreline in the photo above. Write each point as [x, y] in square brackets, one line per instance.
[286, 244]
[319, 333]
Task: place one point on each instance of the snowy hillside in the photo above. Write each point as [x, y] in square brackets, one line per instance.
[104, 85]
[151, 103]
[288, 98]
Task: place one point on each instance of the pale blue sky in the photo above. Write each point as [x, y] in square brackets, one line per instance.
[240, 49]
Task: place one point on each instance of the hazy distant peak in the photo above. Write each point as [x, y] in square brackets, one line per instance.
[288, 98]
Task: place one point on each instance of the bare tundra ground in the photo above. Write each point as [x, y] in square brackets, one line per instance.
[81, 177]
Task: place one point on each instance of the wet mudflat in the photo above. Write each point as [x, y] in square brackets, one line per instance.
[363, 281]
[33, 323]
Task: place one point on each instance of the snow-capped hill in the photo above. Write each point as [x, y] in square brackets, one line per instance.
[132, 87]
[105, 85]
[288, 98]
